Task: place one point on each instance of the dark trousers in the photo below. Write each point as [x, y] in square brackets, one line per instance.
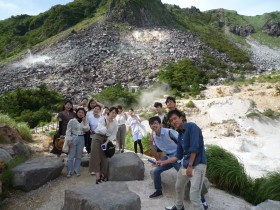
[88, 142]
[140, 145]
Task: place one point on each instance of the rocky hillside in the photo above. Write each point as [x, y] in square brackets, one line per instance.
[129, 42]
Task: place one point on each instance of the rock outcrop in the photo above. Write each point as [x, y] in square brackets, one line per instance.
[272, 29]
[35, 172]
[242, 30]
[105, 196]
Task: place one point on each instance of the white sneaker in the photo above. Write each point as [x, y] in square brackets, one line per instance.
[92, 173]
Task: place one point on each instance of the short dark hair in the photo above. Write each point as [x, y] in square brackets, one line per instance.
[131, 109]
[79, 110]
[112, 109]
[119, 107]
[170, 98]
[154, 119]
[157, 104]
[97, 105]
[84, 98]
[172, 112]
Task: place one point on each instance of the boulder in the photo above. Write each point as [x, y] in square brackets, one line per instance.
[267, 205]
[126, 167]
[105, 196]
[4, 156]
[168, 180]
[36, 172]
[9, 135]
[21, 150]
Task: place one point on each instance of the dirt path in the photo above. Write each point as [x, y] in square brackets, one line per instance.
[51, 195]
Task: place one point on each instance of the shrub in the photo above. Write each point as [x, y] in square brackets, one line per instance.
[183, 76]
[31, 105]
[225, 171]
[271, 114]
[23, 128]
[116, 94]
[190, 104]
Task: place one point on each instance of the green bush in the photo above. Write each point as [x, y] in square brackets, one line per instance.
[116, 95]
[271, 114]
[190, 104]
[32, 105]
[23, 128]
[184, 76]
[225, 171]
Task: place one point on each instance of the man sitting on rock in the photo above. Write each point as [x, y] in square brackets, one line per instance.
[190, 147]
[165, 139]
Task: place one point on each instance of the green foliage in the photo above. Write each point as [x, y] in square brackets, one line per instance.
[117, 95]
[271, 114]
[7, 175]
[23, 128]
[20, 32]
[225, 171]
[31, 105]
[184, 76]
[190, 104]
[129, 144]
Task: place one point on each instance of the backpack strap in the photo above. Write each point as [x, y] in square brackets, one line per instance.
[172, 137]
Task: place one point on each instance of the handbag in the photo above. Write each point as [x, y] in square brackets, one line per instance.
[110, 149]
[65, 147]
[59, 142]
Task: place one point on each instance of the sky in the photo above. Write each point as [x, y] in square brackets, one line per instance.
[243, 7]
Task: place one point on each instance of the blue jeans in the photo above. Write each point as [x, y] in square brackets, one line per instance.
[75, 152]
[160, 169]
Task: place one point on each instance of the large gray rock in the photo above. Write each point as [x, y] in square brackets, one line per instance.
[267, 205]
[21, 150]
[34, 173]
[4, 156]
[168, 180]
[105, 196]
[126, 167]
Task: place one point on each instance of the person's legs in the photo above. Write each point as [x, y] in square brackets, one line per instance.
[157, 174]
[118, 137]
[140, 145]
[71, 156]
[180, 185]
[135, 147]
[196, 186]
[79, 151]
[123, 132]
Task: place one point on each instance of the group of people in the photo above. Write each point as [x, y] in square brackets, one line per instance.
[175, 143]
[91, 125]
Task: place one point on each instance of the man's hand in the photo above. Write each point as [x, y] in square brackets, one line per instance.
[160, 163]
[189, 171]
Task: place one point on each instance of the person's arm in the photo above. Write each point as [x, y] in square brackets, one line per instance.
[164, 162]
[68, 137]
[85, 125]
[190, 166]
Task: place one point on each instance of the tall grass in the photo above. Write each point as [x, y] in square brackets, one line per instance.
[227, 173]
[23, 128]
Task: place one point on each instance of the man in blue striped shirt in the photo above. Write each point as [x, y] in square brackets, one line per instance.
[166, 140]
